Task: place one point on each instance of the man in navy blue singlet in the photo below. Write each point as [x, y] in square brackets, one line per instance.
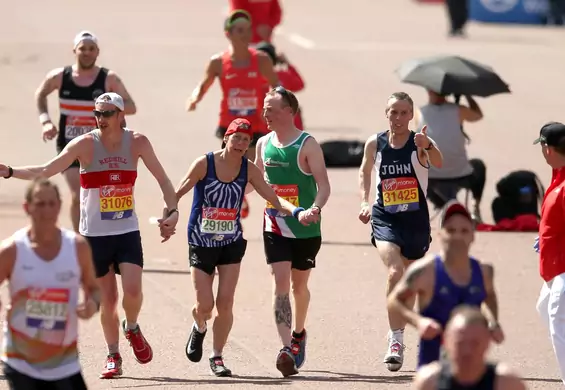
[215, 236]
[399, 217]
[444, 281]
[467, 340]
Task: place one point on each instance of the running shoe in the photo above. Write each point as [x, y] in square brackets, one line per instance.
[193, 347]
[285, 362]
[218, 368]
[141, 349]
[394, 357]
[112, 367]
[298, 348]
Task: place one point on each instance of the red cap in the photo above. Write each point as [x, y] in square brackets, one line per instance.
[451, 208]
[239, 125]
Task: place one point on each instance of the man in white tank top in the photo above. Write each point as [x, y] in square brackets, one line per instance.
[444, 122]
[108, 159]
[45, 267]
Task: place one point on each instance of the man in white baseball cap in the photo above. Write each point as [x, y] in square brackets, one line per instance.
[78, 86]
[108, 158]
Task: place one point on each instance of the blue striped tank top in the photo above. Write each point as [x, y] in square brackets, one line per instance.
[215, 215]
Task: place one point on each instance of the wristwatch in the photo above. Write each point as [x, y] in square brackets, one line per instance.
[315, 206]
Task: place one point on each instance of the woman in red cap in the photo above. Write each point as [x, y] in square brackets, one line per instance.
[215, 236]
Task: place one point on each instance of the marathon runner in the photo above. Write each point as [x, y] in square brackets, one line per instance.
[78, 86]
[266, 14]
[45, 267]
[293, 164]
[242, 72]
[445, 281]
[289, 78]
[400, 218]
[467, 341]
[108, 159]
[215, 236]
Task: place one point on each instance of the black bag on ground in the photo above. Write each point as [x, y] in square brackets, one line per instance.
[519, 193]
[342, 153]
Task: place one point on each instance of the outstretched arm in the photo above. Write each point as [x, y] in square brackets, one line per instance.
[62, 161]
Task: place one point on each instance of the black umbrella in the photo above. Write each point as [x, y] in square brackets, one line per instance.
[452, 75]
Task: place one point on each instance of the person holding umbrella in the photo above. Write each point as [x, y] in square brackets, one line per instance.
[442, 76]
[444, 121]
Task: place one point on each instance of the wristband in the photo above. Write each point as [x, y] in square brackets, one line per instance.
[10, 172]
[44, 118]
[170, 212]
[429, 147]
[364, 204]
[297, 211]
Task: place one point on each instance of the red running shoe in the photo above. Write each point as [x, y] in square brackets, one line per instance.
[141, 348]
[244, 208]
[112, 367]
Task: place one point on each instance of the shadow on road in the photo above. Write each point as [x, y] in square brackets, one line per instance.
[327, 377]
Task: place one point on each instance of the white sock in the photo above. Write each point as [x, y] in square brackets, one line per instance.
[215, 354]
[398, 335]
[198, 328]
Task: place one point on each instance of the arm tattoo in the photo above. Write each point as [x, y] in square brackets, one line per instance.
[283, 310]
[407, 289]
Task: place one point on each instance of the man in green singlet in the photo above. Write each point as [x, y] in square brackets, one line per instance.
[294, 166]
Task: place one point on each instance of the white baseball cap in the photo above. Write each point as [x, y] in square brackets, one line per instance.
[85, 36]
[111, 98]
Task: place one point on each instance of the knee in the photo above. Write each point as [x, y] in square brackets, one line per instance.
[395, 271]
[132, 291]
[282, 285]
[224, 306]
[300, 289]
[108, 299]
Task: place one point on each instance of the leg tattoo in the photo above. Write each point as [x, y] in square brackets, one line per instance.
[283, 310]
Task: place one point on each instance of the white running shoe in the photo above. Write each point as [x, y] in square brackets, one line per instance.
[394, 357]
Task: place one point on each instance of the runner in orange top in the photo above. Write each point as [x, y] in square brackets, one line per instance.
[266, 14]
[242, 72]
[288, 76]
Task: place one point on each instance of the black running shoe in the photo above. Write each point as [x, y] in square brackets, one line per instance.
[285, 362]
[218, 368]
[193, 348]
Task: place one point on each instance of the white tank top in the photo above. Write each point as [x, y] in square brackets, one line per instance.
[107, 207]
[41, 329]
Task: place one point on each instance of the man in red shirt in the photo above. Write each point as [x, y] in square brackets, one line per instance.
[551, 238]
[266, 15]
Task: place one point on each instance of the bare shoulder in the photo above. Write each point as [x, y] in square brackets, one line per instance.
[81, 242]
[139, 138]
[426, 262]
[487, 268]
[55, 73]
[507, 378]
[216, 61]
[311, 144]
[426, 377]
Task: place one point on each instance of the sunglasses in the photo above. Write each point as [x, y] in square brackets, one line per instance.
[105, 114]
